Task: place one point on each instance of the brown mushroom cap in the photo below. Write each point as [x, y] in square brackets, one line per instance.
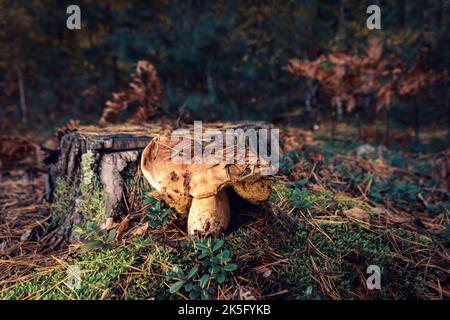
[254, 189]
[181, 181]
[166, 177]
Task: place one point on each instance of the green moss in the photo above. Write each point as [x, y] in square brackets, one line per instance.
[100, 273]
[93, 199]
[315, 202]
[148, 282]
[64, 198]
[247, 246]
[139, 270]
[344, 251]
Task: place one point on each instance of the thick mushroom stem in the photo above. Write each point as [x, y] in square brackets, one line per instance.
[209, 216]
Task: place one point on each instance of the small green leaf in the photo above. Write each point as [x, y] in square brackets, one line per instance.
[204, 280]
[214, 260]
[188, 286]
[149, 200]
[205, 295]
[177, 286]
[180, 273]
[197, 287]
[192, 272]
[92, 244]
[112, 235]
[225, 255]
[219, 244]
[215, 269]
[230, 267]
[212, 290]
[194, 294]
[154, 224]
[165, 213]
[203, 255]
[221, 278]
[308, 291]
[201, 246]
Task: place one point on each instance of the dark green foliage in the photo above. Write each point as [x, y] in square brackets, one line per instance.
[400, 188]
[93, 236]
[64, 199]
[219, 60]
[212, 268]
[158, 216]
[349, 249]
[100, 273]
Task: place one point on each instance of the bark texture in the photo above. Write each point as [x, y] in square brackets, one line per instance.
[113, 149]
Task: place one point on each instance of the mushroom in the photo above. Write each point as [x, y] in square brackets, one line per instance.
[199, 189]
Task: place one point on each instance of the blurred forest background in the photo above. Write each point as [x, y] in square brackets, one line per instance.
[223, 60]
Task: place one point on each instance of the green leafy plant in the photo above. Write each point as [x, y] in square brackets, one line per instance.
[93, 236]
[94, 203]
[288, 161]
[64, 199]
[308, 295]
[158, 215]
[213, 268]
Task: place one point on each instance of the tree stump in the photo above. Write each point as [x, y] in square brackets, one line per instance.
[92, 154]
[92, 161]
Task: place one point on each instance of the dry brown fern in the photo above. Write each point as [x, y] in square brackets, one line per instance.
[16, 150]
[144, 89]
[352, 77]
[72, 125]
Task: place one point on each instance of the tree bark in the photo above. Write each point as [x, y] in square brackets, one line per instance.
[387, 132]
[113, 149]
[21, 85]
[333, 125]
[416, 121]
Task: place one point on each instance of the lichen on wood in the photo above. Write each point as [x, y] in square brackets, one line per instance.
[91, 163]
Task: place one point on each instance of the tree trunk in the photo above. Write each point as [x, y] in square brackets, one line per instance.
[341, 22]
[444, 27]
[387, 128]
[333, 125]
[112, 150]
[416, 121]
[310, 103]
[447, 106]
[21, 85]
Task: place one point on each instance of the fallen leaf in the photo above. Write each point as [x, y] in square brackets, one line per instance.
[140, 230]
[357, 213]
[109, 224]
[122, 227]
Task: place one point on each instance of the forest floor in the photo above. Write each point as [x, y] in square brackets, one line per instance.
[336, 208]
